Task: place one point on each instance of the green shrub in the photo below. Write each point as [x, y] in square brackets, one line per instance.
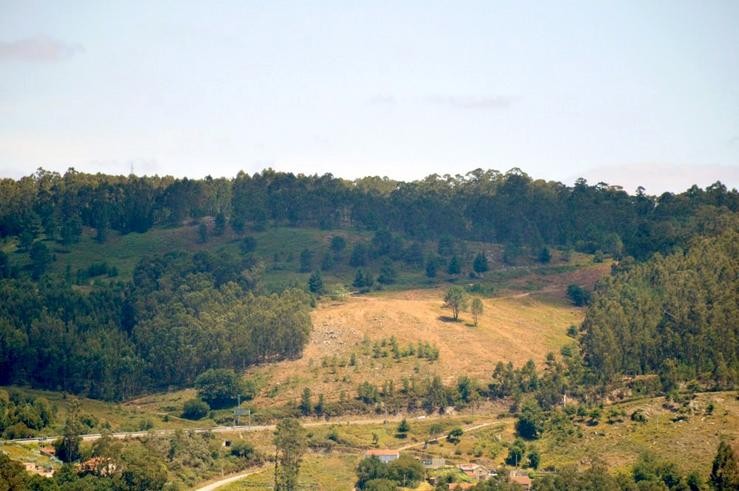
[195, 409]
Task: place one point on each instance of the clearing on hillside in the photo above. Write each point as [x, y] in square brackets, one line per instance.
[514, 327]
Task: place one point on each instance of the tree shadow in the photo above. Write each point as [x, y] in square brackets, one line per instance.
[446, 318]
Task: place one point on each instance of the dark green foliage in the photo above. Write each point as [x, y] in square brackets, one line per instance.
[328, 262]
[41, 257]
[413, 255]
[544, 255]
[243, 449]
[203, 232]
[179, 316]
[431, 268]
[446, 246]
[388, 274]
[248, 245]
[372, 474]
[454, 435]
[219, 223]
[516, 452]
[403, 428]
[21, 416]
[306, 404]
[725, 469]
[315, 283]
[338, 244]
[534, 458]
[673, 315]
[195, 409]
[530, 422]
[406, 471]
[369, 469]
[480, 263]
[363, 279]
[4, 265]
[306, 260]
[219, 387]
[360, 255]
[454, 266]
[578, 295]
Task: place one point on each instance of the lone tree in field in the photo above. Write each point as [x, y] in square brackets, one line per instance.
[455, 299]
[291, 442]
[315, 283]
[477, 309]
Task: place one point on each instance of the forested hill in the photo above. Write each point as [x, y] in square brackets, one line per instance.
[676, 315]
[178, 313]
[509, 208]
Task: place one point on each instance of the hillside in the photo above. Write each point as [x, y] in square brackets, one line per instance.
[513, 328]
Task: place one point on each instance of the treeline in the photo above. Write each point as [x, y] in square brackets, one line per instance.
[509, 208]
[676, 315]
[180, 315]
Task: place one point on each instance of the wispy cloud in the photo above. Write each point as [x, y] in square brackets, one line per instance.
[38, 49]
[473, 102]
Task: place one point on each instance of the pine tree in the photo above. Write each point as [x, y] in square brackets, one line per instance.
[315, 283]
[480, 264]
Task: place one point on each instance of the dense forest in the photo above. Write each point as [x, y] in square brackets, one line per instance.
[183, 313]
[675, 315]
[180, 315]
[509, 208]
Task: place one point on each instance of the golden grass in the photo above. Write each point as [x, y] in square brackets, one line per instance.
[513, 328]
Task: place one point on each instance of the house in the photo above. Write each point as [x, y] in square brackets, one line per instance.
[475, 471]
[385, 456]
[433, 462]
[520, 479]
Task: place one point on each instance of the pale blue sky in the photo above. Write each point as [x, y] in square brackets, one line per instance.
[625, 92]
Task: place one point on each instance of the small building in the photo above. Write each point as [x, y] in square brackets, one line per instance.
[475, 471]
[385, 455]
[433, 462]
[520, 479]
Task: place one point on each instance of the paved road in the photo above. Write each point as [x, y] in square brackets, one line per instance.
[216, 429]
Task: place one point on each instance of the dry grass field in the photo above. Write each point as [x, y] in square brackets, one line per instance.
[517, 325]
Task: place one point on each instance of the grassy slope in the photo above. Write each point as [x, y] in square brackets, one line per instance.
[690, 444]
[119, 417]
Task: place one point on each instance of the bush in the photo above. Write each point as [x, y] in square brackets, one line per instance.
[578, 295]
[638, 416]
[454, 435]
[195, 409]
[219, 387]
[243, 449]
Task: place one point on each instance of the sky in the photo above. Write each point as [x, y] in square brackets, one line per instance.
[630, 93]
